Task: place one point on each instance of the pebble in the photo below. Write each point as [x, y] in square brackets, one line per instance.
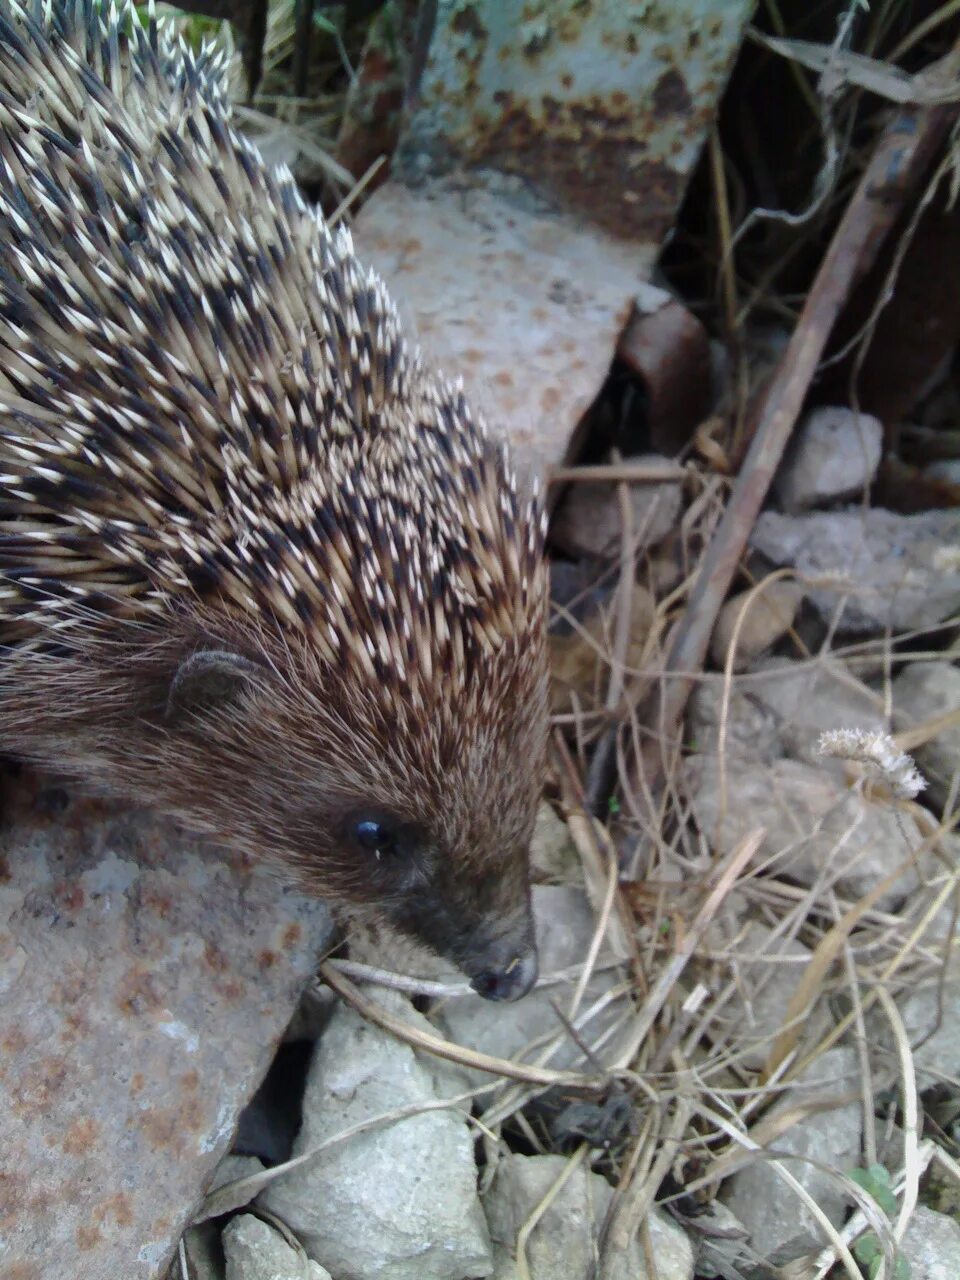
[834, 454]
[769, 616]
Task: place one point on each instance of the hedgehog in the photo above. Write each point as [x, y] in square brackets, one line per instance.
[261, 567]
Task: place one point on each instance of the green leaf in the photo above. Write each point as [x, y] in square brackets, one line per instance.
[867, 1249]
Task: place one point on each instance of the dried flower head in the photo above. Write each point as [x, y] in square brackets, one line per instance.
[879, 753]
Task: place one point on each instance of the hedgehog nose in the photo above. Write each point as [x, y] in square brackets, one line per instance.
[509, 983]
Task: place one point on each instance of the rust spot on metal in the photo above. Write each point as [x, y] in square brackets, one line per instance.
[504, 378]
[292, 935]
[119, 1209]
[162, 1127]
[671, 97]
[267, 959]
[216, 958]
[551, 399]
[13, 1043]
[88, 1238]
[80, 1136]
[467, 22]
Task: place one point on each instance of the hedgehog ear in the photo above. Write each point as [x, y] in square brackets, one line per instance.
[210, 680]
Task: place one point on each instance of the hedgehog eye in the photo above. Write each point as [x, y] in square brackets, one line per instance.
[378, 836]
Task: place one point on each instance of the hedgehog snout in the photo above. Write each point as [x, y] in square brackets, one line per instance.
[510, 982]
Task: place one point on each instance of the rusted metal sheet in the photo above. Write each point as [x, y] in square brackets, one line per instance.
[144, 981]
[603, 103]
[523, 304]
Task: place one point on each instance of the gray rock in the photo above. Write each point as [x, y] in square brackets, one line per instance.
[145, 982]
[553, 855]
[231, 1168]
[255, 1251]
[752, 729]
[921, 692]
[807, 699]
[947, 469]
[589, 522]
[400, 1201]
[565, 925]
[722, 1252]
[931, 1244]
[834, 454]
[876, 568]
[562, 1246]
[813, 823]
[757, 625]
[780, 1226]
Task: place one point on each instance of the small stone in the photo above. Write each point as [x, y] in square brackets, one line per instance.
[834, 454]
[720, 1239]
[589, 521]
[931, 1245]
[769, 615]
[398, 1202]
[562, 1246]
[553, 855]
[921, 692]
[870, 569]
[668, 347]
[815, 827]
[780, 1226]
[255, 1251]
[946, 470]
[231, 1168]
[752, 729]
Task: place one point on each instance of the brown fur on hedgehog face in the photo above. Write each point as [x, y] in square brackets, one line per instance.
[264, 746]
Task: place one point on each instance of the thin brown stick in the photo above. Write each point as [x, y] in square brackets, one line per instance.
[647, 472]
[902, 154]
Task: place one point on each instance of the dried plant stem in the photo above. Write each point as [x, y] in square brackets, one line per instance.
[673, 968]
[633, 1206]
[423, 1040]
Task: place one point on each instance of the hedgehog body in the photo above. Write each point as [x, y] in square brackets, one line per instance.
[259, 565]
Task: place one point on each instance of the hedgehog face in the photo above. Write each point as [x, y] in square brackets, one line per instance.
[425, 822]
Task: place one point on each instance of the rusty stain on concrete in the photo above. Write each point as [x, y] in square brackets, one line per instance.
[137, 1018]
[525, 305]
